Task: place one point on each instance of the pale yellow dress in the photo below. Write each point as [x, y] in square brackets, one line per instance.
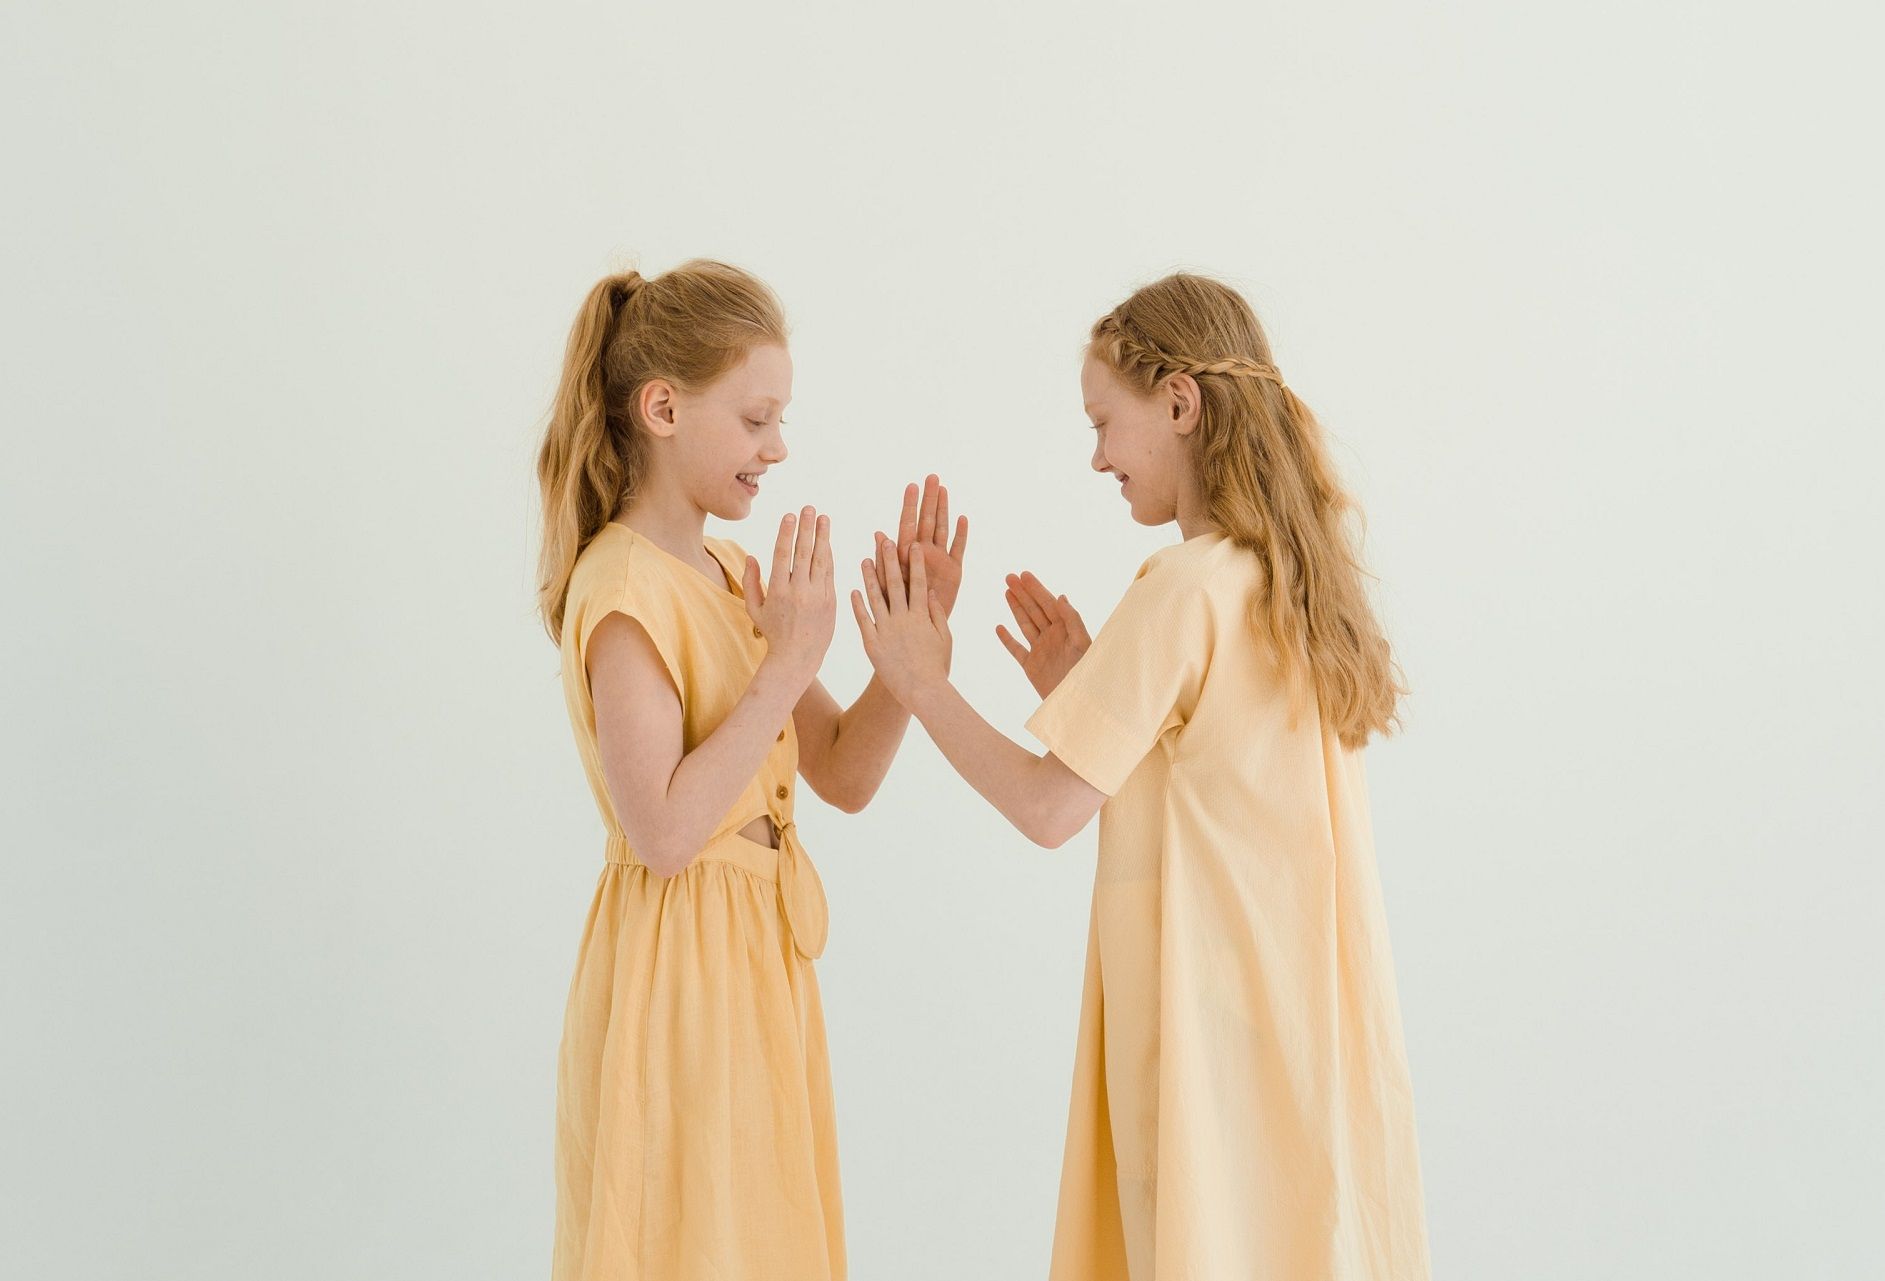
[1241, 1103]
[695, 1135]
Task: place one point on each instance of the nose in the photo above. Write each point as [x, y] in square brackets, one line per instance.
[1099, 459]
[774, 450]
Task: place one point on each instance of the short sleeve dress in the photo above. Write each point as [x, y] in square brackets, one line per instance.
[1241, 1100]
[695, 1132]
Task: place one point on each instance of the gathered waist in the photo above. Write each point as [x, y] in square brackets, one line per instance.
[801, 893]
[729, 847]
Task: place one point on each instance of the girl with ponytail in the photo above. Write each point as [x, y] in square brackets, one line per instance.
[1241, 1102]
[694, 1123]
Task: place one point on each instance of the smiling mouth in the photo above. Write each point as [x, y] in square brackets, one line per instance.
[750, 479]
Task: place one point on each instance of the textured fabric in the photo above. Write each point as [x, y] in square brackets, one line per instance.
[1241, 1103]
[695, 1135]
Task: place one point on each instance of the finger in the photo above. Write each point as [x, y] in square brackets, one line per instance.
[919, 586]
[938, 616]
[873, 592]
[1013, 646]
[1021, 617]
[960, 546]
[782, 550]
[902, 548]
[1038, 593]
[755, 593]
[1036, 615]
[926, 522]
[893, 580]
[802, 551]
[941, 527]
[821, 554]
[865, 628]
[906, 520]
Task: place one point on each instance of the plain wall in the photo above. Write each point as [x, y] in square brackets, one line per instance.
[296, 845]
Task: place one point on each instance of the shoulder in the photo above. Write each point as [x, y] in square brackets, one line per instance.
[616, 573]
[1208, 565]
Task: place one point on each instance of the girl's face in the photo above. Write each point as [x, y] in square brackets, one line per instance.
[1142, 441]
[720, 440]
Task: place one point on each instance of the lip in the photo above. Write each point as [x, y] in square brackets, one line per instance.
[752, 487]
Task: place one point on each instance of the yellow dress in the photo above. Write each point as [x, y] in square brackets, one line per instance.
[1241, 1102]
[695, 1135]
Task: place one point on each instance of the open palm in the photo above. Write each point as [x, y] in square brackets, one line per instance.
[923, 531]
[1055, 635]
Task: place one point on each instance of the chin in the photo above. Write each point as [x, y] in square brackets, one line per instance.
[734, 506]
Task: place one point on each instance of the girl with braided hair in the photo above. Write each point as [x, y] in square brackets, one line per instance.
[1241, 1101]
[694, 1125]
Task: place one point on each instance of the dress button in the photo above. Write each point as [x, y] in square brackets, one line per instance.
[781, 792]
[758, 633]
[782, 736]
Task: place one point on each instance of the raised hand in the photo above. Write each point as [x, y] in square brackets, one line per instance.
[923, 533]
[1056, 636]
[905, 634]
[797, 608]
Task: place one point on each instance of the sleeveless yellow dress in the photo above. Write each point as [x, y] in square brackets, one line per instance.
[695, 1134]
[1241, 1100]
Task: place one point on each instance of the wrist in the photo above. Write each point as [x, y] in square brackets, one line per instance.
[793, 673]
[928, 694]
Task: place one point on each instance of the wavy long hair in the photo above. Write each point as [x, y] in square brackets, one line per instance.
[1264, 472]
[687, 326]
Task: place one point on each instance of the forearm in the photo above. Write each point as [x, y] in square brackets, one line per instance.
[1009, 777]
[867, 736]
[710, 778]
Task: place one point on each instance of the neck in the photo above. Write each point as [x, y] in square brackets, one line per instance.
[666, 518]
[1192, 518]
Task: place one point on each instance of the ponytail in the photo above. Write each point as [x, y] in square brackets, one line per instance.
[687, 326]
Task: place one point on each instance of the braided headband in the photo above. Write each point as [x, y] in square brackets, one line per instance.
[1231, 366]
[1235, 366]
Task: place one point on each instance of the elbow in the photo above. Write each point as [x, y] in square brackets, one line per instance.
[848, 802]
[664, 863]
[1054, 837]
[662, 859]
[1050, 829]
[849, 799]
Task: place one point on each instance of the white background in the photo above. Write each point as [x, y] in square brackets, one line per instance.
[296, 846]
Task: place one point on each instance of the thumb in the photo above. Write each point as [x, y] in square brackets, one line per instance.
[1013, 646]
[755, 593]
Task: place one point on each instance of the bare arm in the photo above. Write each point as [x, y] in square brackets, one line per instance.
[909, 643]
[1046, 801]
[668, 801]
[844, 754]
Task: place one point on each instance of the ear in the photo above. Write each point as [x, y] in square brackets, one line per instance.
[656, 404]
[1184, 402]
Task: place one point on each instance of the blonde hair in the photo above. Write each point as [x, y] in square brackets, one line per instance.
[1267, 483]
[688, 327]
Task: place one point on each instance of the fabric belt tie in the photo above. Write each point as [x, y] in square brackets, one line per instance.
[802, 894]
